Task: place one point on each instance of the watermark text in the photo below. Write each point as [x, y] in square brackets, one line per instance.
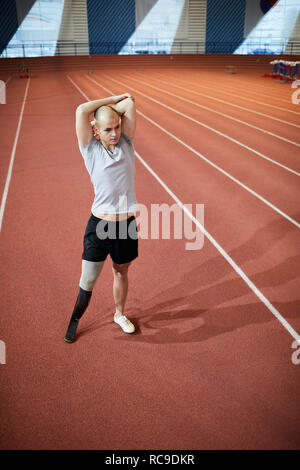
[296, 354]
[2, 352]
[2, 92]
[296, 93]
[161, 222]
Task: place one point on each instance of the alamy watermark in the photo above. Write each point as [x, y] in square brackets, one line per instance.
[296, 93]
[161, 222]
[2, 92]
[2, 352]
[296, 354]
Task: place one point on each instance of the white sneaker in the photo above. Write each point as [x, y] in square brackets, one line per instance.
[124, 323]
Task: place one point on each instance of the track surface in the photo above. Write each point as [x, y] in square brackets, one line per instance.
[210, 365]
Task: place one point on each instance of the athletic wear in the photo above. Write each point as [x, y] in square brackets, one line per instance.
[90, 271]
[124, 323]
[71, 331]
[112, 175]
[121, 241]
[80, 307]
[81, 303]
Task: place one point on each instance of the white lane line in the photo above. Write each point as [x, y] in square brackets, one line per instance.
[245, 109]
[218, 112]
[265, 201]
[250, 149]
[12, 157]
[237, 269]
[241, 96]
[249, 88]
[251, 191]
[228, 258]
[80, 91]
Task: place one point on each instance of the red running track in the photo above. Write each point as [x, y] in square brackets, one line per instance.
[210, 366]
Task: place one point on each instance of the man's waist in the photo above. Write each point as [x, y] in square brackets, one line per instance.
[114, 217]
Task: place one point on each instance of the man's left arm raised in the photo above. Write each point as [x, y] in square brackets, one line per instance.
[127, 110]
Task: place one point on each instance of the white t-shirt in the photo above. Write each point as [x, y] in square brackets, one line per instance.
[112, 175]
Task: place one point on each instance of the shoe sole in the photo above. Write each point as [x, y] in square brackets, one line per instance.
[71, 332]
[127, 332]
[69, 340]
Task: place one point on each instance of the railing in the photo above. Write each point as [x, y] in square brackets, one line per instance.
[37, 49]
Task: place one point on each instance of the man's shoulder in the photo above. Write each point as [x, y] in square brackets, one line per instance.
[125, 138]
[89, 144]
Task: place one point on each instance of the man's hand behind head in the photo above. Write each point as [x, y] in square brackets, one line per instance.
[126, 95]
[94, 130]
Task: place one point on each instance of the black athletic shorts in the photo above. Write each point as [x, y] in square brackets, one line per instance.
[119, 239]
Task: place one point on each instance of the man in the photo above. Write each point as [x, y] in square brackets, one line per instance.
[106, 145]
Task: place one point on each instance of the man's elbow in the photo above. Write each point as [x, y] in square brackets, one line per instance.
[79, 109]
[130, 101]
[129, 104]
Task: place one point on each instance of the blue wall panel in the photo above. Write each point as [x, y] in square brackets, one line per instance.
[224, 25]
[8, 22]
[110, 24]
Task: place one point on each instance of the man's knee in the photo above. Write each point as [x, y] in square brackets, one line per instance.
[89, 274]
[120, 269]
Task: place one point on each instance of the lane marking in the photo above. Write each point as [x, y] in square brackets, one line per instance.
[222, 114]
[228, 258]
[261, 198]
[250, 149]
[245, 109]
[12, 157]
[244, 98]
[80, 91]
[249, 84]
[265, 201]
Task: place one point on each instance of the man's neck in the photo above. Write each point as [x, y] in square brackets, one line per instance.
[111, 148]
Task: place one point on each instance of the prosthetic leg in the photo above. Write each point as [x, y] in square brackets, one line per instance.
[89, 275]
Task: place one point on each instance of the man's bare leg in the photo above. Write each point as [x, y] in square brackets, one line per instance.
[120, 289]
[120, 286]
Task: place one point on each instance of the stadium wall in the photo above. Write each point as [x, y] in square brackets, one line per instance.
[91, 27]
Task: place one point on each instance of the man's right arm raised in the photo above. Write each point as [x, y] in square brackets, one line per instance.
[84, 129]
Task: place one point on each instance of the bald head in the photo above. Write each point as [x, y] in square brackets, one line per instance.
[105, 113]
[108, 125]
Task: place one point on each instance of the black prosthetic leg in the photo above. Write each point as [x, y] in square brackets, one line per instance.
[80, 307]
